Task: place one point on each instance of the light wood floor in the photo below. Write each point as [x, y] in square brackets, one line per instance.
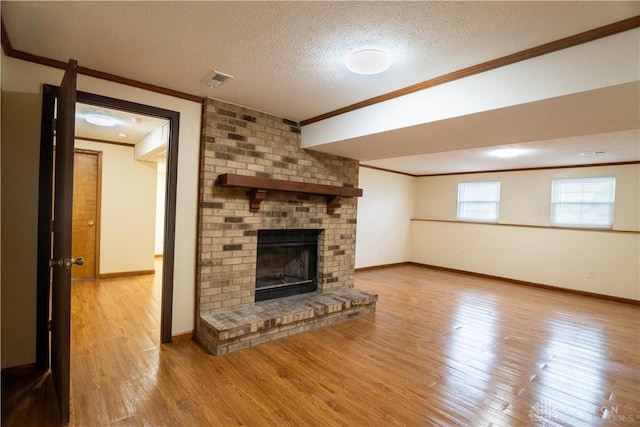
[442, 349]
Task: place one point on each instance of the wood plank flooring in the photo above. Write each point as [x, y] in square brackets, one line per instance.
[443, 349]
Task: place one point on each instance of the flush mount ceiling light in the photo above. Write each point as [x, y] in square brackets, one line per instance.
[368, 61]
[100, 120]
[594, 153]
[506, 153]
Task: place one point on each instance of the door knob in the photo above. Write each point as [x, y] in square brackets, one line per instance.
[66, 262]
[91, 222]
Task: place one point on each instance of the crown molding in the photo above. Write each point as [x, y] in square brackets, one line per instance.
[25, 56]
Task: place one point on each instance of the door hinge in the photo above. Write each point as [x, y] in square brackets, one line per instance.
[50, 226]
[49, 325]
[54, 125]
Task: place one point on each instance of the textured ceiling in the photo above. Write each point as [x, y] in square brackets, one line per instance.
[287, 57]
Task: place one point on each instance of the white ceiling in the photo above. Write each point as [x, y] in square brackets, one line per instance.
[133, 126]
[287, 57]
[545, 153]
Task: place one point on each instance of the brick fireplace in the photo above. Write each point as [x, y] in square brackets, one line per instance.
[254, 177]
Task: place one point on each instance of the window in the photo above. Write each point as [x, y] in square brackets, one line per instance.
[583, 202]
[478, 201]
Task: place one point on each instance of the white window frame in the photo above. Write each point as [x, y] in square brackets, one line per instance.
[576, 207]
[469, 196]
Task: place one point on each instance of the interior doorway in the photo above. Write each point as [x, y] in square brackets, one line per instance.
[50, 94]
[133, 149]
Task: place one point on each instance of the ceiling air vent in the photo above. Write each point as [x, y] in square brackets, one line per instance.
[216, 79]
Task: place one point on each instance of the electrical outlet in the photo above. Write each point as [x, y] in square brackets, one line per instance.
[590, 274]
[457, 256]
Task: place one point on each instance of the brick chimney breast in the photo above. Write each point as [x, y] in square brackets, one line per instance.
[267, 146]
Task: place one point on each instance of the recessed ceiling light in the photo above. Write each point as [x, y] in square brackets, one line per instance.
[506, 153]
[122, 135]
[593, 153]
[368, 61]
[100, 120]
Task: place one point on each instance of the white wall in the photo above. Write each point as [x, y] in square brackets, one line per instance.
[539, 254]
[526, 196]
[384, 216]
[22, 83]
[128, 209]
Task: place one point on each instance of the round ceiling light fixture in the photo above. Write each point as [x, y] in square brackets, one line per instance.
[100, 120]
[594, 153]
[506, 153]
[368, 61]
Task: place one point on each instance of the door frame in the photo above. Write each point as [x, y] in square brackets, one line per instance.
[49, 95]
[45, 226]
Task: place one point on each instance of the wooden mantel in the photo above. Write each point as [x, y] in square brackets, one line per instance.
[259, 187]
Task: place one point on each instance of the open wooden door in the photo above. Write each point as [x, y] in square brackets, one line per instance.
[62, 259]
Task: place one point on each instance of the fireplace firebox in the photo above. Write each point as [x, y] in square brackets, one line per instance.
[287, 263]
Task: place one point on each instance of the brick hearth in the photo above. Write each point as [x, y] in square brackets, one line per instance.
[242, 328]
[240, 141]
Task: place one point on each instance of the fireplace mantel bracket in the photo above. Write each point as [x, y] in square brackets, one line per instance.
[258, 189]
[333, 202]
[255, 198]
